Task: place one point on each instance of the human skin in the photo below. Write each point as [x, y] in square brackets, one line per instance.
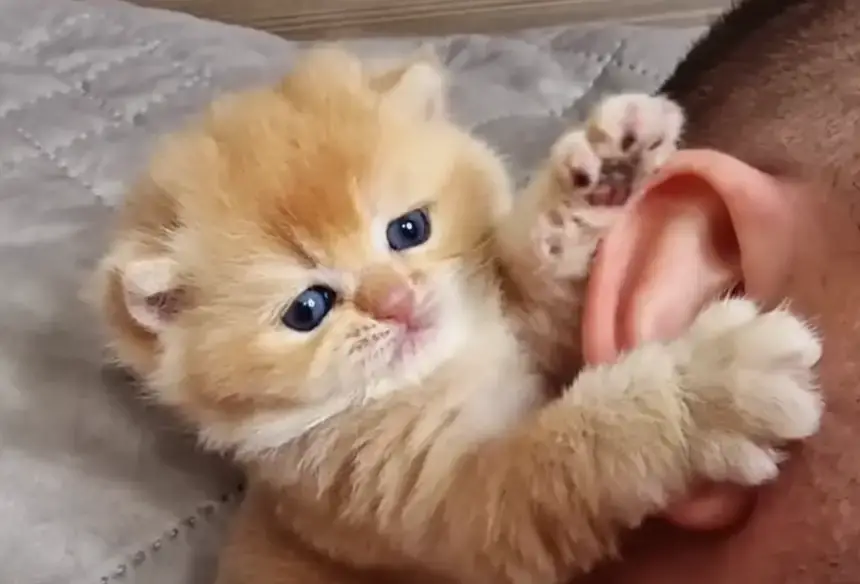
[776, 87]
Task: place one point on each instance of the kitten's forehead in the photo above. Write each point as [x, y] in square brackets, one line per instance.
[319, 177]
[337, 183]
[338, 198]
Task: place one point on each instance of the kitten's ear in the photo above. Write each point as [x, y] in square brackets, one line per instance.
[418, 86]
[135, 297]
[326, 61]
[150, 292]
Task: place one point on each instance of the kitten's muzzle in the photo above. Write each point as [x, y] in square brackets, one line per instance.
[385, 294]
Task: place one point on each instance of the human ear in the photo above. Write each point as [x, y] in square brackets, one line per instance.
[705, 224]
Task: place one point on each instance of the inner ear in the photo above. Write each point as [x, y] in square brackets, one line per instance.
[417, 87]
[151, 292]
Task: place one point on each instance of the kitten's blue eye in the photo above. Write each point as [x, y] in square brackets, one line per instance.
[409, 230]
[309, 308]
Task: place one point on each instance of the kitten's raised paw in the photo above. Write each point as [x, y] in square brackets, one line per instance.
[627, 137]
[755, 389]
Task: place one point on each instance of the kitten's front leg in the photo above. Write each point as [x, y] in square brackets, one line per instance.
[547, 496]
[550, 500]
[547, 242]
[592, 171]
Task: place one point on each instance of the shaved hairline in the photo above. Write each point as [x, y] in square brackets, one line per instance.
[737, 27]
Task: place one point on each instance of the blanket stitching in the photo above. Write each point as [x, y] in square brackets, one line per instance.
[204, 511]
[51, 34]
[195, 81]
[591, 84]
[636, 67]
[23, 49]
[607, 60]
[111, 125]
[66, 89]
[603, 61]
[154, 99]
[82, 88]
[84, 84]
[51, 157]
[21, 106]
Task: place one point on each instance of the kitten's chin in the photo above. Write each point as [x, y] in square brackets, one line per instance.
[265, 431]
[414, 354]
[409, 343]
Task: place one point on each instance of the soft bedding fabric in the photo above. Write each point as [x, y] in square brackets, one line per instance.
[95, 485]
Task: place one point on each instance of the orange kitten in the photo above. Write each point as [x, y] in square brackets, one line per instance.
[331, 280]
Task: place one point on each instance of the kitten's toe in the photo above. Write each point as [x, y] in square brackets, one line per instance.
[776, 338]
[728, 458]
[723, 316]
[633, 135]
[632, 124]
[575, 164]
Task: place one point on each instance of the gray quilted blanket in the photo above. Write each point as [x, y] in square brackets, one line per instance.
[96, 486]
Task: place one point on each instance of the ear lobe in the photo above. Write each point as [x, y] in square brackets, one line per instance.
[150, 292]
[417, 87]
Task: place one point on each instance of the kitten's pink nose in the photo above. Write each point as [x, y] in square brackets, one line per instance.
[385, 294]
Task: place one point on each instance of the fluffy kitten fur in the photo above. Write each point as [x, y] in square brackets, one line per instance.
[453, 454]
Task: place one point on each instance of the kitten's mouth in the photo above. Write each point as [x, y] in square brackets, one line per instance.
[407, 346]
[415, 333]
[411, 338]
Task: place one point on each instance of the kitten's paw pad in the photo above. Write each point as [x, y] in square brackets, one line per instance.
[627, 137]
[575, 164]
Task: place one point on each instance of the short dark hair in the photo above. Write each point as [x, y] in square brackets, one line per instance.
[732, 29]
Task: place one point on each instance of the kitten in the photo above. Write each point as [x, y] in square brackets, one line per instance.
[331, 280]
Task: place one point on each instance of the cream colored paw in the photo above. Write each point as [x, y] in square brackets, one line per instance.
[752, 388]
[631, 125]
[626, 138]
[576, 165]
[759, 336]
[594, 171]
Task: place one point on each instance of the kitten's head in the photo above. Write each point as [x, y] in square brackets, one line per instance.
[305, 248]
